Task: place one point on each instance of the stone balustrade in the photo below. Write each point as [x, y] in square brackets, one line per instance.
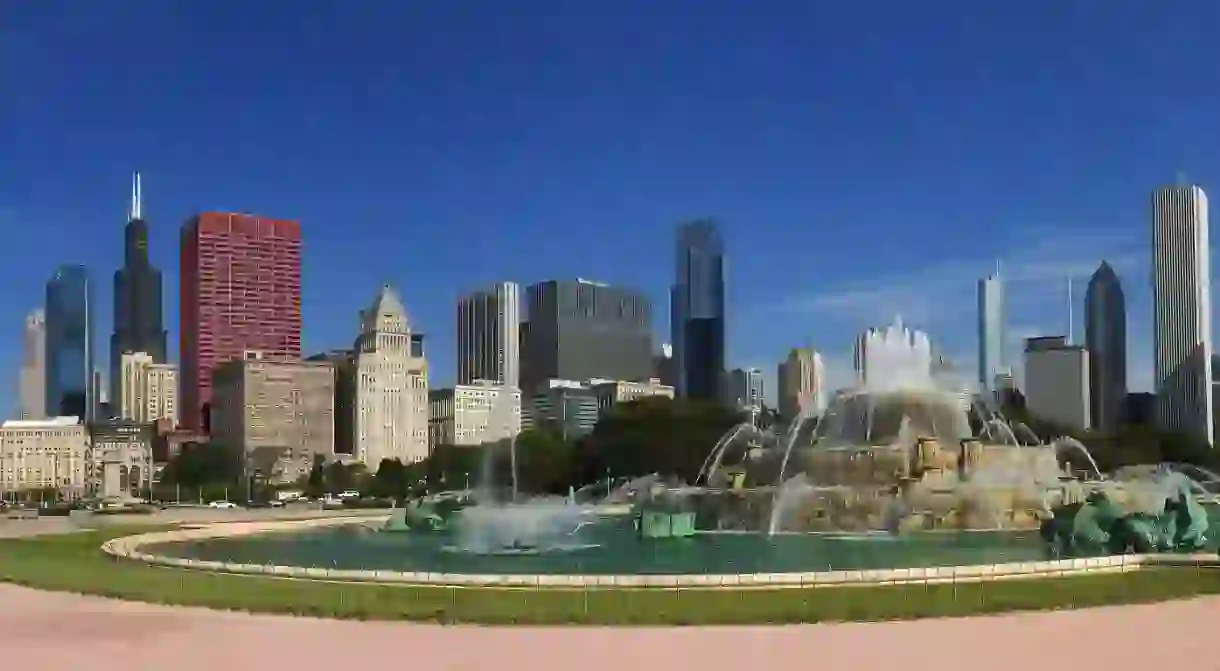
[128, 548]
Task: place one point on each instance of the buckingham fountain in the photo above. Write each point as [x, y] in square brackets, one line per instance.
[906, 469]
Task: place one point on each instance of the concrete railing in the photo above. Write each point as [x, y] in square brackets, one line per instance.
[129, 548]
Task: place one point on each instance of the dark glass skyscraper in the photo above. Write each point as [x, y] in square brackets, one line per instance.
[579, 330]
[1105, 310]
[137, 296]
[69, 312]
[697, 311]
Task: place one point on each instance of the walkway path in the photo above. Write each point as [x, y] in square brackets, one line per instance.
[41, 630]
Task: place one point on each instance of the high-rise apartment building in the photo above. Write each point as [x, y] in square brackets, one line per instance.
[240, 292]
[990, 330]
[391, 373]
[488, 336]
[802, 383]
[697, 320]
[148, 391]
[280, 414]
[1105, 335]
[32, 386]
[581, 330]
[1182, 311]
[138, 323]
[70, 318]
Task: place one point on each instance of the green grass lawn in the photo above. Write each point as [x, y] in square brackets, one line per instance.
[75, 563]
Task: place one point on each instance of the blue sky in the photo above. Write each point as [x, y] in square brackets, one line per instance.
[863, 158]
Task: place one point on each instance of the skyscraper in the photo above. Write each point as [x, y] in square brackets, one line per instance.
[801, 381]
[69, 372]
[32, 388]
[137, 297]
[488, 336]
[1105, 337]
[991, 330]
[579, 330]
[697, 320]
[240, 293]
[1182, 311]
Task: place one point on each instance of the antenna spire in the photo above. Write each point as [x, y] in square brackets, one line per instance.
[136, 199]
[1071, 339]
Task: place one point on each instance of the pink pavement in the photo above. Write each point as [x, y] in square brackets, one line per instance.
[54, 631]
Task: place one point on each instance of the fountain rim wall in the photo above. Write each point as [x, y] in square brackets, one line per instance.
[128, 548]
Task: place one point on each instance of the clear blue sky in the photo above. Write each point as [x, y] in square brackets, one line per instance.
[863, 158]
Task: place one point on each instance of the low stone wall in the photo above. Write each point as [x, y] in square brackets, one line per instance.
[128, 548]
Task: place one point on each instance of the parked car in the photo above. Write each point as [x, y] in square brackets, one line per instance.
[227, 505]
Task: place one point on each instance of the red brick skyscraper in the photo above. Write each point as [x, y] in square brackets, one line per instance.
[241, 291]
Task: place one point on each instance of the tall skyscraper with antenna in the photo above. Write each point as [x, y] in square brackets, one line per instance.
[138, 325]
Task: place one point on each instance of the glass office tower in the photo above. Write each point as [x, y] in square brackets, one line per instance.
[69, 353]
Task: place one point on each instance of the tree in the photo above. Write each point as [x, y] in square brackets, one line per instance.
[315, 486]
[544, 462]
[390, 480]
[201, 464]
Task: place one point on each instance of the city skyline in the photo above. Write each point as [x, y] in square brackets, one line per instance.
[842, 204]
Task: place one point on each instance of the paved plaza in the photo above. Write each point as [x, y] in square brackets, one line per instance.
[43, 630]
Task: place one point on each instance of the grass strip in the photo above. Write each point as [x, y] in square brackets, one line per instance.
[74, 563]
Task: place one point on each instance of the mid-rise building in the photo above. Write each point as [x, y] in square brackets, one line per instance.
[1057, 382]
[138, 320]
[990, 330]
[566, 407]
[69, 343]
[240, 291]
[697, 316]
[473, 414]
[46, 454]
[802, 384]
[32, 387]
[280, 414]
[488, 336]
[344, 363]
[121, 458]
[744, 389]
[148, 391]
[612, 392]
[391, 373]
[1105, 314]
[580, 330]
[1181, 288]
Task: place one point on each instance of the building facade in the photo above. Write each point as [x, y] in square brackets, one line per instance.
[567, 407]
[744, 389]
[802, 384]
[69, 343]
[391, 373]
[612, 392]
[990, 331]
[488, 336]
[580, 330]
[344, 363]
[1105, 329]
[46, 454]
[279, 414]
[1182, 321]
[697, 316]
[240, 290]
[32, 385]
[1057, 382]
[148, 391]
[473, 414]
[138, 322]
[121, 459]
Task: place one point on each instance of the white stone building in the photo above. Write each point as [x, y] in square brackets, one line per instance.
[148, 391]
[473, 414]
[42, 455]
[391, 386]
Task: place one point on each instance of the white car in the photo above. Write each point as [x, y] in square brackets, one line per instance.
[227, 505]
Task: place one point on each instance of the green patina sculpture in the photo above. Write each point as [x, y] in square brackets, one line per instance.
[1100, 526]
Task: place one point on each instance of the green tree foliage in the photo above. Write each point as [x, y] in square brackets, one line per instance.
[315, 484]
[544, 462]
[390, 480]
[202, 464]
